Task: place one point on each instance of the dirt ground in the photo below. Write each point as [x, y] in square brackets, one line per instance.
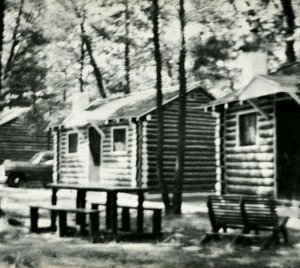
[179, 247]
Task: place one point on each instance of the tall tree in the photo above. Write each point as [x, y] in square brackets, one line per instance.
[159, 99]
[89, 47]
[82, 55]
[178, 182]
[127, 49]
[2, 10]
[289, 14]
[16, 39]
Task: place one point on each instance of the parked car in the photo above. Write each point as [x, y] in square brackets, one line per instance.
[19, 173]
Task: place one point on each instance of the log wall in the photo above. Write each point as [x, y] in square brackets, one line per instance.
[73, 168]
[17, 143]
[200, 156]
[119, 168]
[250, 169]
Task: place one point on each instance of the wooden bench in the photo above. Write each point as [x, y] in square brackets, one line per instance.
[61, 212]
[224, 212]
[260, 215]
[126, 218]
[251, 214]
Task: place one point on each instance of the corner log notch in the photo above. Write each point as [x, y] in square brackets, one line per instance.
[258, 109]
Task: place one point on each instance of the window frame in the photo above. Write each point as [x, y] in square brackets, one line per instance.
[112, 139]
[238, 137]
[68, 142]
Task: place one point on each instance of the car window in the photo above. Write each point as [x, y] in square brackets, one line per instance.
[36, 158]
[46, 157]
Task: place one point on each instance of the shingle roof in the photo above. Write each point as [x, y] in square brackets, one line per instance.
[282, 83]
[11, 114]
[133, 105]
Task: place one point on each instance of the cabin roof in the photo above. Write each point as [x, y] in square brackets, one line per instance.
[261, 85]
[134, 105]
[11, 114]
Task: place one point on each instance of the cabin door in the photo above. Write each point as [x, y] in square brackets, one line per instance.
[94, 155]
[288, 149]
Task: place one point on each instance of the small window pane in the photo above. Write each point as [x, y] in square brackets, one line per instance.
[247, 128]
[73, 143]
[119, 139]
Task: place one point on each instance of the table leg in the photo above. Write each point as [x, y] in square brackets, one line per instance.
[114, 212]
[54, 197]
[108, 210]
[80, 203]
[53, 213]
[140, 213]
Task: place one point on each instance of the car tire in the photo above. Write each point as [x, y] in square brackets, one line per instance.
[16, 180]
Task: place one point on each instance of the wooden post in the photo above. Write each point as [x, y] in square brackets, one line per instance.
[54, 197]
[80, 203]
[140, 212]
[53, 214]
[94, 226]
[114, 212]
[108, 211]
[156, 224]
[34, 216]
[62, 218]
[126, 219]
[82, 223]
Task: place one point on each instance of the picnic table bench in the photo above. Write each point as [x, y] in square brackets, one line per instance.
[248, 214]
[61, 212]
[126, 217]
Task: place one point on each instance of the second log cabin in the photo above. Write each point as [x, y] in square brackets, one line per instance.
[114, 141]
[259, 132]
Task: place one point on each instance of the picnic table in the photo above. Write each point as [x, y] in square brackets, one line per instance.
[111, 200]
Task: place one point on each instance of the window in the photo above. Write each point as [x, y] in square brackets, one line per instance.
[72, 143]
[247, 129]
[193, 95]
[119, 140]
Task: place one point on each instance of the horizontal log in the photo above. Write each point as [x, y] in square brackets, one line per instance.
[250, 149]
[250, 181]
[250, 165]
[252, 190]
[248, 173]
[251, 157]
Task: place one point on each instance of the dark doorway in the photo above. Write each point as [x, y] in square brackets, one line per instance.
[288, 149]
[95, 145]
[95, 155]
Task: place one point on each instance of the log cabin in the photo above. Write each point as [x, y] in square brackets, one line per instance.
[113, 141]
[16, 141]
[258, 126]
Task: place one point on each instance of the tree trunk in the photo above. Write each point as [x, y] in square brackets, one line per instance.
[97, 72]
[127, 47]
[159, 99]
[88, 43]
[290, 20]
[82, 56]
[15, 41]
[2, 9]
[178, 182]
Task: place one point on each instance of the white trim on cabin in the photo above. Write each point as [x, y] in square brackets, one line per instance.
[112, 139]
[237, 137]
[68, 134]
